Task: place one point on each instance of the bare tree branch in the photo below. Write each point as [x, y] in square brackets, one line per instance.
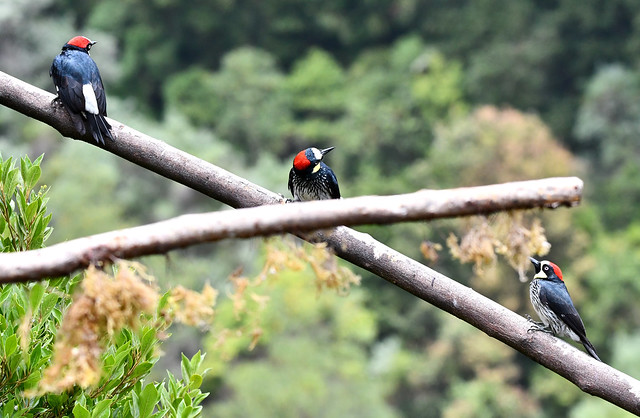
[360, 249]
[590, 375]
[140, 149]
[188, 230]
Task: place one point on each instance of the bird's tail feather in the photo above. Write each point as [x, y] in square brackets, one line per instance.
[99, 128]
[590, 349]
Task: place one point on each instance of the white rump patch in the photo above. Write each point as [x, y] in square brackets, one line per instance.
[90, 101]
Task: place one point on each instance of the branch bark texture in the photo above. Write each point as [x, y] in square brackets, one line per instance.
[591, 376]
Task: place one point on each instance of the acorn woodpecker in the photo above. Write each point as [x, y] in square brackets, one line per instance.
[551, 301]
[310, 178]
[80, 88]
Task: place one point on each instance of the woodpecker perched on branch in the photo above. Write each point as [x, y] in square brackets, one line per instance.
[80, 88]
[310, 178]
[551, 301]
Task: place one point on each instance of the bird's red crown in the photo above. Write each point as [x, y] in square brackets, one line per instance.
[301, 161]
[556, 270]
[80, 42]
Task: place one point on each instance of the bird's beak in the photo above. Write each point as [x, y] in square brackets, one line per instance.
[536, 264]
[326, 150]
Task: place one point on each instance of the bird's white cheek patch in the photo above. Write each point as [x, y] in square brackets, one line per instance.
[316, 168]
[90, 101]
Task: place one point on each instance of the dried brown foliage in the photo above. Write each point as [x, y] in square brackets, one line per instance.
[190, 307]
[286, 253]
[513, 235]
[430, 250]
[105, 304]
[108, 302]
[250, 297]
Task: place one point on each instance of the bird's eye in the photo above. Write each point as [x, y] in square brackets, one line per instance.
[546, 268]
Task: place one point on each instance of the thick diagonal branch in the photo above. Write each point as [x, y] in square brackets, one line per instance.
[590, 375]
[188, 230]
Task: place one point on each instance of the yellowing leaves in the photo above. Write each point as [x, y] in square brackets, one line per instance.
[280, 299]
[512, 235]
[104, 305]
[192, 308]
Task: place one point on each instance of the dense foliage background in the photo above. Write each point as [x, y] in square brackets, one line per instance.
[413, 94]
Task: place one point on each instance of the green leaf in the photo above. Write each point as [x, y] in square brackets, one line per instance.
[107, 363]
[187, 412]
[10, 345]
[101, 410]
[195, 411]
[142, 369]
[55, 400]
[6, 169]
[196, 381]
[112, 383]
[14, 361]
[196, 360]
[82, 399]
[48, 303]
[32, 177]
[80, 411]
[35, 296]
[135, 404]
[19, 303]
[148, 400]
[164, 299]
[8, 408]
[38, 228]
[47, 219]
[34, 356]
[22, 202]
[32, 380]
[32, 210]
[165, 397]
[148, 340]
[38, 160]
[6, 291]
[24, 167]
[180, 407]
[185, 367]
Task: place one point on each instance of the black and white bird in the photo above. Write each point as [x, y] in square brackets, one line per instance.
[310, 178]
[552, 302]
[79, 86]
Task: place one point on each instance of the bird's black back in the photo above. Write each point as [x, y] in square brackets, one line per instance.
[70, 70]
[556, 296]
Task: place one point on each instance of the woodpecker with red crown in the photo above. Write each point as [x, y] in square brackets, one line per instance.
[80, 88]
[310, 178]
[552, 302]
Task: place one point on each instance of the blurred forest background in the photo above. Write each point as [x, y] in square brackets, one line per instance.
[413, 94]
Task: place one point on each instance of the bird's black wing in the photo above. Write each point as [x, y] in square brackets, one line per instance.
[563, 307]
[69, 89]
[98, 88]
[332, 182]
[290, 184]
